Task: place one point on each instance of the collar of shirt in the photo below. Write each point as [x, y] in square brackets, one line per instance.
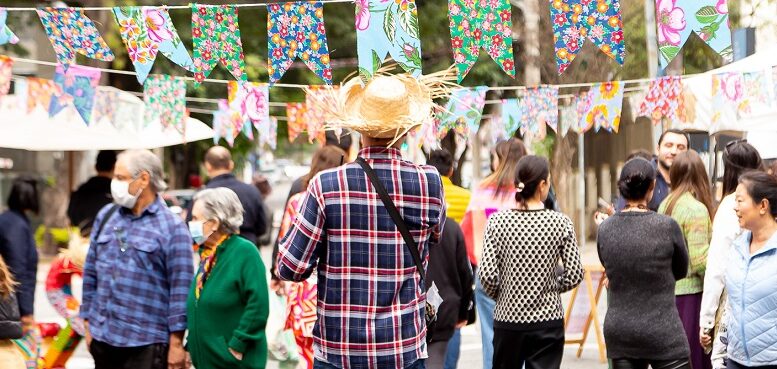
[221, 178]
[152, 208]
[380, 153]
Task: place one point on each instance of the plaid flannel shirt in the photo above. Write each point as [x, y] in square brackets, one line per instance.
[137, 276]
[370, 302]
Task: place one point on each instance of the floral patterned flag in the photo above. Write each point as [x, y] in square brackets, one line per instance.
[6, 35]
[540, 106]
[512, 116]
[677, 19]
[296, 29]
[216, 38]
[728, 97]
[79, 85]
[477, 24]
[664, 100]
[605, 101]
[295, 115]
[315, 116]
[387, 27]
[105, 101]
[6, 74]
[774, 84]
[582, 104]
[146, 31]
[39, 92]
[575, 20]
[268, 134]
[228, 123]
[464, 108]
[165, 98]
[122, 109]
[71, 31]
[252, 102]
[568, 118]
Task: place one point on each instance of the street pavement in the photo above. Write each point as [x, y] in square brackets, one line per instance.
[471, 352]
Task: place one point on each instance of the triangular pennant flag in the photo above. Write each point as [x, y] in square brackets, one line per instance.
[295, 115]
[477, 24]
[758, 94]
[567, 118]
[387, 27]
[79, 86]
[774, 84]
[165, 98]
[6, 35]
[105, 102]
[146, 31]
[216, 38]
[224, 124]
[677, 19]
[252, 102]
[605, 104]
[315, 116]
[582, 104]
[664, 100]
[540, 107]
[512, 117]
[71, 31]
[296, 29]
[39, 92]
[6, 74]
[464, 109]
[575, 20]
[268, 134]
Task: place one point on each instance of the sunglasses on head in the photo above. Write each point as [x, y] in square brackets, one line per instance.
[735, 142]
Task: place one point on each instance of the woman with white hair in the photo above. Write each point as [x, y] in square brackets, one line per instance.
[228, 303]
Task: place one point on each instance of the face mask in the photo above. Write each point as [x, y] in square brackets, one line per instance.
[196, 229]
[121, 195]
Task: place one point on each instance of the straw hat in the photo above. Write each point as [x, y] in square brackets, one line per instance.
[388, 106]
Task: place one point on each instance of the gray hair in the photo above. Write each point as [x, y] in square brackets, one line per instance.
[223, 205]
[138, 161]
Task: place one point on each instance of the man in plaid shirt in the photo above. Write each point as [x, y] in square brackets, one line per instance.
[371, 301]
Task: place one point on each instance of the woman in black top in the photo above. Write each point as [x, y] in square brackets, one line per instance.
[643, 254]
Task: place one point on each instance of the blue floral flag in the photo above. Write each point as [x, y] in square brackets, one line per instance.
[146, 31]
[387, 27]
[79, 85]
[71, 31]
[296, 29]
[464, 110]
[540, 106]
[6, 35]
[605, 101]
[512, 116]
[677, 19]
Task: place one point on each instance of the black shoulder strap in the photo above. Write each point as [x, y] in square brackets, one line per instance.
[106, 218]
[394, 213]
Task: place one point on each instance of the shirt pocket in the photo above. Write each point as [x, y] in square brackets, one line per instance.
[146, 252]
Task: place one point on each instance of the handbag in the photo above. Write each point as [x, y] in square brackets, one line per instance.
[430, 311]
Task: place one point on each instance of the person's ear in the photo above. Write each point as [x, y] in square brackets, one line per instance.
[231, 165]
[144, 179]
[763, 207]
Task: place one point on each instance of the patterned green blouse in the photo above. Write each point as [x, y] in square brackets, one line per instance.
[694, 220]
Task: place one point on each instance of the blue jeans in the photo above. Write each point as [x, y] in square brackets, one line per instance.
[453, 351]
[485, 306]
[318, 364]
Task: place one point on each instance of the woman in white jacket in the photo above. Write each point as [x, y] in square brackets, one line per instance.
[738, 157]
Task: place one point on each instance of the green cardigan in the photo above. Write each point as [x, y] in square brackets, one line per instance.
[232, 310]
[694, 220]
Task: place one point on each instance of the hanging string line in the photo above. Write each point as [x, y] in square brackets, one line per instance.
[110, 8]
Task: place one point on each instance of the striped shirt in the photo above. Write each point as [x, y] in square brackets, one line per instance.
[137, 276]
[456, 199]
[370, 305]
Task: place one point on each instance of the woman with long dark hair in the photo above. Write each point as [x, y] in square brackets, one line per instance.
[690, 205]
[643, 254]
[10, 325]
[522, 249]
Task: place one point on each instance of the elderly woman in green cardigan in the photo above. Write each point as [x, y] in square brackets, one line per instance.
[690, 205]
[228, 302]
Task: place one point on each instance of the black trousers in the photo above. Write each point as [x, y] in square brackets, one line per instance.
[655, 364]
[110, 357]
[534, 349]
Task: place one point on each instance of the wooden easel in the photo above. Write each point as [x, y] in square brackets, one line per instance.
[593, 313]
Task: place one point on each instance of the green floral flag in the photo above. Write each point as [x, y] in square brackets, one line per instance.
[477, 24]
[165, 98]
[216, 38]
[387, 27]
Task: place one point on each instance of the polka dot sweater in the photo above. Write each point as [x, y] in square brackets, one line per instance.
[520, 267]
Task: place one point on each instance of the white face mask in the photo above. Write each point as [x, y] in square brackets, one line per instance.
[121, 195]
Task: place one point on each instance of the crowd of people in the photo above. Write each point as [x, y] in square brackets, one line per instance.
[381, 261]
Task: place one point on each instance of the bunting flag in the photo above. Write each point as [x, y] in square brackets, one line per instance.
[71, 31]
[6, 35]
[664, 100]
[540, 106]
[757, 90]
[6, 74]
[315, 97]
[39, 92]
[677, 19]
[216, 38]
[252, 102]
[296, 29]
[605, 101]
[582, 104]
[295, 115]
[165, 98]
[78, 86]
[146, 31]
[568, 118]
[268, 134]
[106, 101]
[575, 20]
[464, 108]
[120, 108]
[728, 97]
[512, 116]
[387, 27]
[774, 84]
[228, 123]
[477, 24]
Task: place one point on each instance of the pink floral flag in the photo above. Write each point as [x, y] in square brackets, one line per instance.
[295, 115]
[6, 35]
[540, 108]
[677, 19]
[387, 27]
[296, 29]
[315, 116]
[268, 134]
[252, 102]
[481, 24]
[71, 31]
[664, 100]
[216, 38]
[146, 31]
[575, 20]
[6, 74]
[39, 92]
[227, 123]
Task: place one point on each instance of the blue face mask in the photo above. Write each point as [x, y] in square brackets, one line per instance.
[195, 228]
